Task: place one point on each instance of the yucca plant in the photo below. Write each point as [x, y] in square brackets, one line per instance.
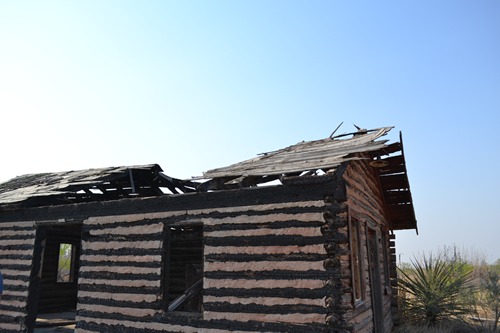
[432, 289]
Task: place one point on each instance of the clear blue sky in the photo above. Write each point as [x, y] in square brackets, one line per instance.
[194, 85]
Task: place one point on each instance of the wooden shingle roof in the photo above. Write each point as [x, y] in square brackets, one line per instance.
[307, 158]
[307, 155]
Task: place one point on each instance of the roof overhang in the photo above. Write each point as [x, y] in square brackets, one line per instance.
[304, 156]
[308, 159]
[319, 157]
[395, 186]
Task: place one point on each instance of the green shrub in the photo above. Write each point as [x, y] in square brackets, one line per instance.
[432, 290]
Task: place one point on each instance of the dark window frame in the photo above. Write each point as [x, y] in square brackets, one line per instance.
[189, 299]
[357, 262]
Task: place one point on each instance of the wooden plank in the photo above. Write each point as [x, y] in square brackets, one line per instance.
[392, 148]
[394, 182]
[398, 197]
[392, 169]
[395, 160]
[318, 154]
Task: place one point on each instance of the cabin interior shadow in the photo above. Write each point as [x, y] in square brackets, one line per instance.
[55, 281]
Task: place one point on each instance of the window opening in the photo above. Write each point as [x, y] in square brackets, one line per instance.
[184, 268]
[356, 261]
[66, 263]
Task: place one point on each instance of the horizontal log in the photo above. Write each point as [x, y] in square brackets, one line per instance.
[263, 266]
[301, 318]
[272, 283]
[314, 231]
[269, 301]
[134, 312]
[312, 249]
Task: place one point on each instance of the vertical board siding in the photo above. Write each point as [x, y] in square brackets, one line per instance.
[366, 204]
[16, 254]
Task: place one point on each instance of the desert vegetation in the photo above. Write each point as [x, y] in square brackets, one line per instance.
[448, 293]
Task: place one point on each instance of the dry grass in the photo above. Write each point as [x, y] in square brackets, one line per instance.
[448, 294]
[443, 327]
[421, 329]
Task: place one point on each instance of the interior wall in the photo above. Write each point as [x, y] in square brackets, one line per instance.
[57, 296]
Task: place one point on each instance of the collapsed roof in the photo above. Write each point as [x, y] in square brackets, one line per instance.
[103, 184]
[307, 158]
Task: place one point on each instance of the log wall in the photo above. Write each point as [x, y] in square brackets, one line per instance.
[264, 267]
[16, 250]
[266, 261]
[365, 204]
[276, 259]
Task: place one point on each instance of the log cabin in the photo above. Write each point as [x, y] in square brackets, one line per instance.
[296, 240]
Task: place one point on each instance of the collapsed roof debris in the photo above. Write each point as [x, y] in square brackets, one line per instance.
[304, 159]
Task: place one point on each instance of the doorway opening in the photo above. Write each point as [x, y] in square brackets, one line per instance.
[54, 282]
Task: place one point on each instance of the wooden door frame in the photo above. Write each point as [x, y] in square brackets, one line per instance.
[35, 285]
[375, 279]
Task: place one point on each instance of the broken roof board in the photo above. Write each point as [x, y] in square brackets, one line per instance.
[305, 156]
[58, 184]
[328, 154]
[320, 154]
